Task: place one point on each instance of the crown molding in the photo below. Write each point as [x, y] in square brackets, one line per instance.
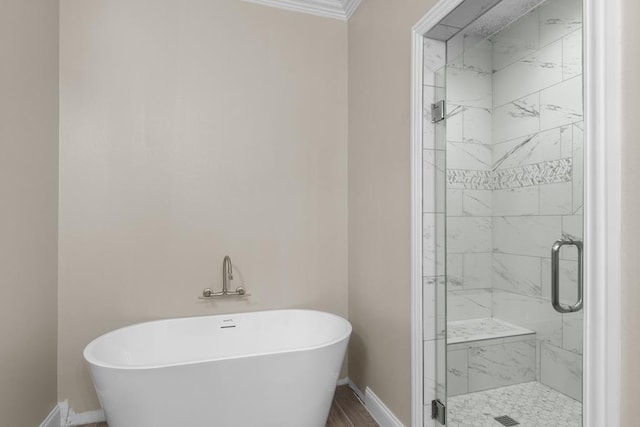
[336, 9]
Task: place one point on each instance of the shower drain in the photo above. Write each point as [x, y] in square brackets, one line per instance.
[506, 420]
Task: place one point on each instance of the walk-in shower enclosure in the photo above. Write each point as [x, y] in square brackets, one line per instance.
[503, 186]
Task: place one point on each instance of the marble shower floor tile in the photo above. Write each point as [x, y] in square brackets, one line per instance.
[532, 404]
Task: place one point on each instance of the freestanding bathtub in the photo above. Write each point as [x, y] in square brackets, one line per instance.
[262, 369]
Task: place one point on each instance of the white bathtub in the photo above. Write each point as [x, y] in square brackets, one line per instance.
[262, 369]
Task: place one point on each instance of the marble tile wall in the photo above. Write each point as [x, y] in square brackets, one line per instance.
[514, 139]
[537, 197]
[487, 353]
[490, 363]
[469, 158]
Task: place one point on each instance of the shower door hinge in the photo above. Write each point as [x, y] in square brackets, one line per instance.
[438, 411]
[437, 112]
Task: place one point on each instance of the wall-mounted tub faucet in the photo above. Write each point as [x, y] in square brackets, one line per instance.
[227, 275]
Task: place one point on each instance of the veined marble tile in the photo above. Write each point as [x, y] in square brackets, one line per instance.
[441, 78]
[434, 58]
[561, 104]
[441, 134]
[469, 88]
[433, 181]
[476, 126]
[441, 363]
[516, 201]
[529, 312]
[518, 274]
[455, 47]
[429, 192]
[434, 367]
[433, 317]
[454, 202]
[488, 341]
[559, 18]
[538, 364]
[441, 181]
[429, 308]
[572, 324]
[465, 345]
[471, 304]
[429, 368]
[568, 281]
[562, 370]
[472, 40]
[428, 128]
[572, 54]
[454, 122]
[478, 54]
[464, 155]
[516, 41]
[535, 72]
[457, 372]
[556, 199]
[455, 279]
[433, 240]
[477, 271]
[526, 235]
[477, 203]
[487, 331]
[517, 119]
[572, 227]
[566, 141]
[469, 234]
[578, 167]
[501, 365]
[540, 147]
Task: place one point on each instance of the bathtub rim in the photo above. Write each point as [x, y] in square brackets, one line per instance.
[91, 361]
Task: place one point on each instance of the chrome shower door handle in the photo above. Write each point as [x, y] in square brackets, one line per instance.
[555, 277]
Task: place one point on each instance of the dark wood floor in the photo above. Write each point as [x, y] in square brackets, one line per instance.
[346, 411]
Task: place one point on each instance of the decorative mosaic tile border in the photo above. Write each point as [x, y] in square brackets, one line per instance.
[549, 172]
[470, 179]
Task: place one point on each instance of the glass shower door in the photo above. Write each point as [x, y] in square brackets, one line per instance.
[513, 138]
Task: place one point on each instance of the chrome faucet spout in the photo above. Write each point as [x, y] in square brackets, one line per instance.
[227, 274]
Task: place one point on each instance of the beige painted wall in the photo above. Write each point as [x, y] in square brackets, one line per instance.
[28, 213]
[192, 130]
[630, 216]
[379, 198]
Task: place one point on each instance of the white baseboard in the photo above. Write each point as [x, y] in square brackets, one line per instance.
[64, 416]
[68, 418]
[53, 419]
[343, 381]
[376, 407]
[82, 418]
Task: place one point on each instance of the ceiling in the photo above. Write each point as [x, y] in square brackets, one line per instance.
[480, 17]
